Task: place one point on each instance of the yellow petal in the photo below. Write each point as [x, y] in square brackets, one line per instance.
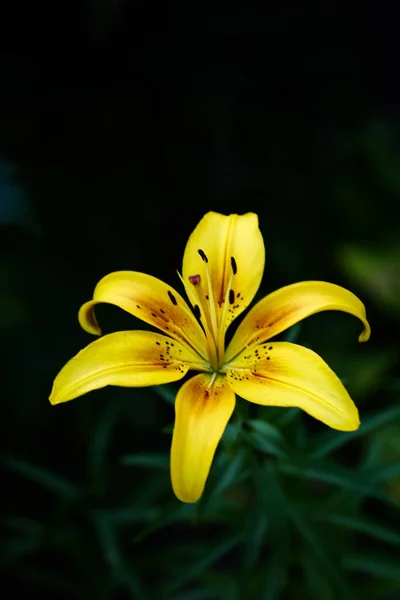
[149, 299]
[288, 305]
[284, 374]
[221, 238]
[202, 411]
[126, 358]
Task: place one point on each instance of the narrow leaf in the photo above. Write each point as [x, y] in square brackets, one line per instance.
[292, 334]
[148, 461]
[327, 562]
[218, 551]
[47, 479]
[365, 526]
[166, 392]
[329, 441]
[377, 565]
[338, 476]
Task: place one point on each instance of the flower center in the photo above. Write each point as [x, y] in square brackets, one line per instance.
[211, 312]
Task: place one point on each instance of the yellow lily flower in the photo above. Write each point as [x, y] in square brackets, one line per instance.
[222, 269]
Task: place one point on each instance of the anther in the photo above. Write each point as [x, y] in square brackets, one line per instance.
[203, 255]
[172, 298]
[194, 279]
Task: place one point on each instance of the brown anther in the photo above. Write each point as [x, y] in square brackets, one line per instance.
[194, 279]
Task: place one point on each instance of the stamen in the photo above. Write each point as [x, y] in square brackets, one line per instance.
[212, 305]
[228, 301]
[201, 308]
[172, 298]
[212, 379]
[202, 255]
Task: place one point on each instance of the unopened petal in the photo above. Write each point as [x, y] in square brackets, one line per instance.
[288, 305]
[284, 374]
[202, 410]
[125, 358]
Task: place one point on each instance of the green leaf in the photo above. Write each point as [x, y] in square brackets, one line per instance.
[47, 479]
[23, 525]
[148, 461]
[346, 479]
[321, 553]
[287, 416]
[124, 515]
[365, 526]
[15, 549]
[316, 580]
[275, 574]
[262, 444]
[194, 595]
[269, 431]
[98, 448]
[231, 435]
[255, 536]
[174, 512]
[273, 501]
[379, 589]
[258, 518]
[112, 553]
[220, 585]
[292, 334]
[373, 454]
[232, 472]
[375, 565]
[273, 505]
[198, 568]
[329, 441]
[61, 586]
[383, 473]
[166, 392]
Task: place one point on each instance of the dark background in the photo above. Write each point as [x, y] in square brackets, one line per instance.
[121, 124]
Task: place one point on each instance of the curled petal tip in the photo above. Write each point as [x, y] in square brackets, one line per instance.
[87, 318]
[365, 334]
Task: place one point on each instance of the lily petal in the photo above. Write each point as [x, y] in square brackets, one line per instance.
[202, 411]
[221, 238]
[126, 358]
[284, 374]
[288, 305]
[149, 299]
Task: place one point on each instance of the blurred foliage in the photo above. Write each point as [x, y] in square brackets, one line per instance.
[107, 164]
